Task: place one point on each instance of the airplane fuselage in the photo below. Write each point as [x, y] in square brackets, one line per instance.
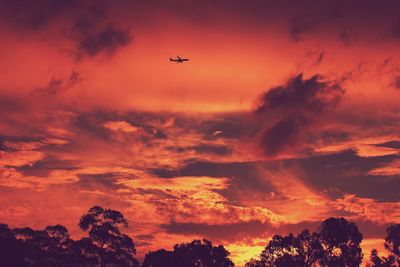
[178, 60]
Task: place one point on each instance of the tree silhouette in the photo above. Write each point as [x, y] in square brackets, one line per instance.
[44, 247]
[11, 253]
[341, 241]
[113, 247]
[194, 254]
[160, 258]
[392, 246]
[302, 250]
[337, 243]
[106, 246]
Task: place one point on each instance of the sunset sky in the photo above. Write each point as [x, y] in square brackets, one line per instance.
[287, 113]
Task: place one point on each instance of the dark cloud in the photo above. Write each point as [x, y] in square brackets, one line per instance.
[43, 167]
[105, 182]
[230, 126]
[348, 173]
[245, 231]
[6, 138]
[105, 41]
[320, 58]
[144, 237]
[212, 149]
[283, 134]
[59, 85]
[372, 229]
[36, 15]
[293, 108]
[390, 144]
[53, 87]
[204, 148]
[297, 18]
[330, 136]
[301, 95]
[246, 180]
[368, 228]
[228, 232]
[91, 124]
[88, 24]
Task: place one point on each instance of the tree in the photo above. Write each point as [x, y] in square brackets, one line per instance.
[51, 247]
[341, 241]
[310, 247]
[194, 254]
[106, 246]
[336, 244]
[160, 258]
[113, 247]
[392, 246]
[11, 253]
[302, 250]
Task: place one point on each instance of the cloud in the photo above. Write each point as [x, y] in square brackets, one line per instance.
[228, 232]
[251, 232]
[36, 15]
[375, 151]
[368, 209]
[10, 177]
[191, 200]
[87, 24]
[391, 169]
[390, 144]
[347, 173]
[20, 158]
[20, 153]
[105, 41]
[120, 126]
[301, 95]
[290, 110]
[284, 134]
[204, 149]
[246, 178]
[212, 149]
[59, 85]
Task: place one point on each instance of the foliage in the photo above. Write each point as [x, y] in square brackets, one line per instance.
[337, 243]
[106, 245]
[392, 246]
[194, 254]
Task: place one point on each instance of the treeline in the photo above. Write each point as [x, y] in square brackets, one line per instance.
[336, 244]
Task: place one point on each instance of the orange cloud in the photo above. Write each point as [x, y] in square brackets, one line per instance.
[391, 169]
[20, 158]
[369, 209]
[10, 177]
[120, 126]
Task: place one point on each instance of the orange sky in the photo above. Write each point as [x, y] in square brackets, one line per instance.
[92, 112]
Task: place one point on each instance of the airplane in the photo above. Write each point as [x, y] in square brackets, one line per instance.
[178, 59]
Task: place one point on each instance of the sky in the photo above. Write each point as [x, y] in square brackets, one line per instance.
[286, 114]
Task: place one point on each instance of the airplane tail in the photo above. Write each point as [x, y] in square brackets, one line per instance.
[171, 59]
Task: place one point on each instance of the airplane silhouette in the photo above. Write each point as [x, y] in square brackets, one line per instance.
[178, 59]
